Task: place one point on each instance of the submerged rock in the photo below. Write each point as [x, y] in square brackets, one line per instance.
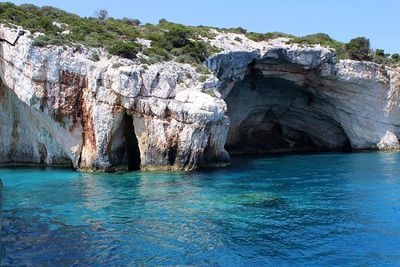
[58, 107]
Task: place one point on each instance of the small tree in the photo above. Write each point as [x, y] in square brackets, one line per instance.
[240, 30]
[124, 49]
[380, 52]
[178, 36]
[136, 22]
[358, 49]
[46, 24]
[132, 22]
[161, 21]
[102, 14]
[396, 56]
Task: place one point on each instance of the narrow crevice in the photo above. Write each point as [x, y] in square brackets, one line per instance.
[132, 153]
[172, 155]
[124, 147]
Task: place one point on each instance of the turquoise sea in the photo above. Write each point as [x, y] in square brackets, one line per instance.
[313, 210]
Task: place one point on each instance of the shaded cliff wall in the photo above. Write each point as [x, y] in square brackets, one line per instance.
[1, 208]
[28, 137]
[302, 100]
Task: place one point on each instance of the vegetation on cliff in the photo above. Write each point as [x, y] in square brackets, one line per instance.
[118, 36]
[169, 41]
[357, 49]
[324, 40]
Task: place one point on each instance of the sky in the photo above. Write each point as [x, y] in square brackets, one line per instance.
[341, 19]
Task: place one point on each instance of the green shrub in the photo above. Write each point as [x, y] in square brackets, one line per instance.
[169, 40]
[131, 22]
[358, 49]
[92, 40]
[46, 24]
[162, 21]
[324, 40]
[209, 92]
[380, 52]
[202, 69]
[185, 59]
[197, 50]
[257, 37]
[380, 57]
[177, 37]
[155, 58]
[124, 49]
[41, 41]
[56, 42]
[87, 31]
[395, 58]
[318, 38]
[157, 51]
[238, 30]
[204, 31]
[95, 57]
[202, 78]
[381, 60]
[180, 41]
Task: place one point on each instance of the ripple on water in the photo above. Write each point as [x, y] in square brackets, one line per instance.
[322, 209]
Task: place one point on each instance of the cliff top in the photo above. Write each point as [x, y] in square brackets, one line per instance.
[165, 41]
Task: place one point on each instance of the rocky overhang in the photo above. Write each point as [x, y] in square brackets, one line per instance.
[59, 107]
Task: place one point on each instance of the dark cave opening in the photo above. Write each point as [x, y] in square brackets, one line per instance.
[125, 152]
[272, 114]
[132, 152]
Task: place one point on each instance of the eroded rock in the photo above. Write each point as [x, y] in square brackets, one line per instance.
[59, 107]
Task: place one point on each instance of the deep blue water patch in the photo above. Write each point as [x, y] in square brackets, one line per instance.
[321, 209]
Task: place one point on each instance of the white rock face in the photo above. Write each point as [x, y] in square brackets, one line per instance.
[286, 97]
[59, 107]
[389, 142]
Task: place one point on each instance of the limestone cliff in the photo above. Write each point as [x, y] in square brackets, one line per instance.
[59, 107]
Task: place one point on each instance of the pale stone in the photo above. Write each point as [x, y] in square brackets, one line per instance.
[389, 142]
[59, 107]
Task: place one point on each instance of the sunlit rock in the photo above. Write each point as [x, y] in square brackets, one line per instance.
[58, 107]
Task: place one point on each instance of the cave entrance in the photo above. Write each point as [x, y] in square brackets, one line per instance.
[132, 152]
[271, 114]
[125, 153]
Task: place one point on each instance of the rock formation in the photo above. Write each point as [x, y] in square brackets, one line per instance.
[59, 107]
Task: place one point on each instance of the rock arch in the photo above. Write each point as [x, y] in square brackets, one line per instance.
[276, 108]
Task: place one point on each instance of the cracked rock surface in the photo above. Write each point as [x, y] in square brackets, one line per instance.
[58, 107]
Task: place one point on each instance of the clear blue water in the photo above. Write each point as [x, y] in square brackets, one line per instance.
[323, 209]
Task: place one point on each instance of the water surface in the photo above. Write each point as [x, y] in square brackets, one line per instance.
[322, 209]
